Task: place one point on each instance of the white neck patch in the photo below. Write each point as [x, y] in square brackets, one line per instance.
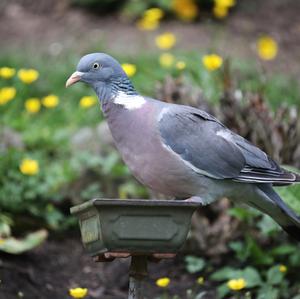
[130, 102]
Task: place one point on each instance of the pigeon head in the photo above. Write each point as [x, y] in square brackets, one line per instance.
[103, 73]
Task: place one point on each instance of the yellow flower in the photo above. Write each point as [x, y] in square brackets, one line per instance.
[153, 14]
[7, 72]
[166, 60]
[220, 12]
[212, 62]
[33, 105]
[180, 65]
[87, 101]
[2, 241]
[7, 94]
[163, 282]
[200, 280]
[50, 101]
[150, 19]
[78, 292]
[236, 284]
[282, 268]
[28, 75]
[29, 167]
[165, 41]
[147, 24]
[186, 10]
[225, 3]
[129, 69]
[267, 48]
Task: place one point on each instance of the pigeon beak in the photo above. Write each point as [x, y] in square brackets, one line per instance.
[75, 77]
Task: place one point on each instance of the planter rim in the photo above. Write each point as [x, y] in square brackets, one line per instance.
[134, 202]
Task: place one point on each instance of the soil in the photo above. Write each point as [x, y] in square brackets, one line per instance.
[61, 263]
[54, 26]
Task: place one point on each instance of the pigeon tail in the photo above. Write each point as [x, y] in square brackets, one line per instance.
[276, 208]
[292, 178]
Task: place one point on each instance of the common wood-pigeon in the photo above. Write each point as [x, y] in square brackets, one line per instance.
[184, 152]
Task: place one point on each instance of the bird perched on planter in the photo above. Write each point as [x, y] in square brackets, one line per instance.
[184, 152]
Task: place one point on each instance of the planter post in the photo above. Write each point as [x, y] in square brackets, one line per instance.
[145, 230]
[137, 275]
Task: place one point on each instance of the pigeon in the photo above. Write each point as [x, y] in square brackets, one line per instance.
[184, 152]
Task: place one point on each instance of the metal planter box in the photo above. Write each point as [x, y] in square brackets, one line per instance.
[134, 226]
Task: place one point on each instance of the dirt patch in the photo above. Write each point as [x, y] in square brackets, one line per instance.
[39, 28]
[61, 263]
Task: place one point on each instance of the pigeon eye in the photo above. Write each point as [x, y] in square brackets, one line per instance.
[96, 65]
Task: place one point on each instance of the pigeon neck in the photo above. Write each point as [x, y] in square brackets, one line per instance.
[123, 85]
[107, 93]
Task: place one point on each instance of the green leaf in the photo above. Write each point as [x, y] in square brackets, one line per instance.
[258, 255]
[267, 225]
[194, 264]
[268, 292]
[18, 246]
[223, 290]
[224, 274]
[240, 213]
[91, 191]
[53, 216]
[241, 250]
[252, 277]
[291, 196]
[5, 230]
[294, 259]
[274, 276]
[237, 246]
[110, 162]
[284, 249]
[250, 274]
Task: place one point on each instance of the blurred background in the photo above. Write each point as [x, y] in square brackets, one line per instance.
[237, 59]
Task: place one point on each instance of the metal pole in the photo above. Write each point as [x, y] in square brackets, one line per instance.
[137, 274]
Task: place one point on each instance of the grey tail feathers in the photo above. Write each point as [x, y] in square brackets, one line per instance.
[295, 179]
[279, 211]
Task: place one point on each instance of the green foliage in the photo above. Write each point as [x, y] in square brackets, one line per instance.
[194, 264]
[250, 274]
[291, 196]
[270, 284]
[17, 246]
[10, 244]
[250, 250]
[272, 267]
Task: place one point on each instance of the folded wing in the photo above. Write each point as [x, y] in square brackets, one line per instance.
[211, 149]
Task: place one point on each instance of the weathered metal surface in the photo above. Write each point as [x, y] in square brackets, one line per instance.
[134, 226]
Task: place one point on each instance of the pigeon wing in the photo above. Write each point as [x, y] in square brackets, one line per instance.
[192, 136]
[211, 149]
